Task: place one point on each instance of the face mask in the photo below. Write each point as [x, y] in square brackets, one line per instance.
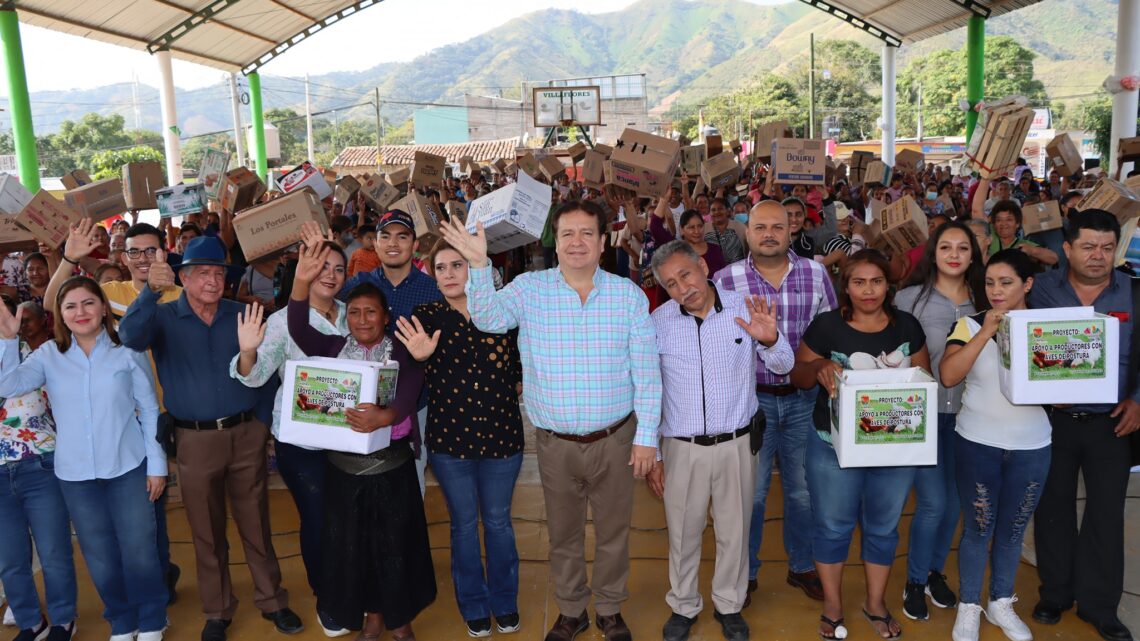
[741, 218]
[931, 195]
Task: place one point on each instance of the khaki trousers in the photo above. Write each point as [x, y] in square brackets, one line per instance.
[214, 464]
[597, 474]
[724, 473]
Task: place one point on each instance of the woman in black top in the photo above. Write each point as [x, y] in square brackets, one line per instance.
[475, 441]
[866, 332]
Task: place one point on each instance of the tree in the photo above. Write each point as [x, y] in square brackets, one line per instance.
[770, 97]
[942, 76]
[1095, 115]
[846, 74]
[195, 148]
[109, 164]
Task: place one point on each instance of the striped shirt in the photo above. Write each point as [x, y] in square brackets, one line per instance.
[708, 367]
[729, 243]
[804, 293]
[585, 366]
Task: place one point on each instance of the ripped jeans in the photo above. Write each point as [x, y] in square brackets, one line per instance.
[999, 490]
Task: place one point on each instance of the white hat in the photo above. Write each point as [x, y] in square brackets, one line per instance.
[841, 210]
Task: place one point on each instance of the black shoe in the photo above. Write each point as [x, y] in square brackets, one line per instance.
[733, 626]
[285, 620]
[940, 594]
[508, 623]
[914, 602]
[172, 575]
[677, 627]
[33, 634]
[479, 628]
[331, 628]
[1047, 613]
[61, 632]
[215, 630]
[1110, 628]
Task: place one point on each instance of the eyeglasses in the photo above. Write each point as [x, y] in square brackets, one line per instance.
[135, 254]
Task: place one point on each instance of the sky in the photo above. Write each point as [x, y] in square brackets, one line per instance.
[419, 31]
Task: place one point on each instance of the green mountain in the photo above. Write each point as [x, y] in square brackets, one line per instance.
[688, 49]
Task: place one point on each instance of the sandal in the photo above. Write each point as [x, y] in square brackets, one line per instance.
[886, 620]
[838, 630]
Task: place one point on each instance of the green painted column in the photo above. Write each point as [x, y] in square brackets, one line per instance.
[19, 104]
[258, 124]
[975, 68]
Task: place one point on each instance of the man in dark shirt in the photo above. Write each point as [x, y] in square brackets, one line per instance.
[220, 430]
[1091, 440]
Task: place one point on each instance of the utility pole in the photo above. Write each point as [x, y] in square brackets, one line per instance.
[379, 128]
[811, 88]
[309, 119]
[919, 133]
[239, 130]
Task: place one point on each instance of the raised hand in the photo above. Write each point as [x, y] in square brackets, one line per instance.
[471, 247]
[311, 235]
[311, 260]
[761, 325]
[161, 274]
[9, 324]
[81, 240]
[251, 329]
[412, 335]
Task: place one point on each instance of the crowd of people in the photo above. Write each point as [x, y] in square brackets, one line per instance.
[693, 341]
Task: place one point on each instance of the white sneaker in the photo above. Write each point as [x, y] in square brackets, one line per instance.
[151, 636]
[1001, 614]
[968, 622]
[130, 636]
[9, 618]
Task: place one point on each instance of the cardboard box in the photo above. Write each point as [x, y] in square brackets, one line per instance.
[714, 145]
[1128, 249]
[593, 169]
[885, 418]
[379, 192]
[736, 147]
[1113, 197]
[765, 134]
[799, 162]
[467, 165]
[399, 177]
[75, 179]
[577, 152]
[427, 169]
[552, 167]
[241, 188]
[692, 157]
[213, 171]
[98, 200]
[499, 165]
[330, 179]
[529, 165]
[1128, 149]
[604, 150]
[512, 168]
[902, 225]
[305, 175]
[14, 238]
[13, 196]
[999, 137]
[274, 226]
[1059, 355]
[319, 391]
[1041, 217]
[140, 181]
[719, 171]
[910, 160]
[346, 189]
[1064, 155]
[645, 163]
[173, 483]
[859, 162]
[877, 173]
[1133, 183]
[426, 217]
[512, 216]
[48, 219]
[181, 200]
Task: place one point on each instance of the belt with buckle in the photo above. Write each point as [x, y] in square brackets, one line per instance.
[714, 439]
[776, 390]
[218, 424]
[1080, 417]
[592, 436]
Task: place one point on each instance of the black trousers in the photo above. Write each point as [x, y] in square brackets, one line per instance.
[1088, 566]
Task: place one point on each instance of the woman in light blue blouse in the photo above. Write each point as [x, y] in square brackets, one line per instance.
[109, 464]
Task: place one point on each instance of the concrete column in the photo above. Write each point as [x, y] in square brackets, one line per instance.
[1124, 104]
[239, 131]
[23, 135]
[170, 132]
[889, 94]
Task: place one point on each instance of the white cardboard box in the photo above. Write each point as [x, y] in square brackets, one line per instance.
[318, 392]
[306, 175]
[1059, 356]
[885, 418]
[512, 216]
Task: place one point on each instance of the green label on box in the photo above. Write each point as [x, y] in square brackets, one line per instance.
[1066, 350]
[890, 416]
[321, 395]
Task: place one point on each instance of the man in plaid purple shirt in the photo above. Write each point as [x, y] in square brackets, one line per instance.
[800, 289]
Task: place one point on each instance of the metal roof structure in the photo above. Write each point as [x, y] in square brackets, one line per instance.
[898, 21]
[231, 35]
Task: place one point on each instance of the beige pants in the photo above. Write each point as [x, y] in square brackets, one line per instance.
[695, 474]
[597, 474]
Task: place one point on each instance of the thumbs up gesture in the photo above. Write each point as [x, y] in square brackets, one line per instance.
[161, 275]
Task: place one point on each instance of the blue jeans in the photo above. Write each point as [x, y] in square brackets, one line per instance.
[30, 501]
[872, 497]
[999, 490]
[115, 522]
[789, 428]
[936, 508]
[474, 488]
[304, 474]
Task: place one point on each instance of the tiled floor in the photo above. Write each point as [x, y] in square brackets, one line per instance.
[778, 612]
